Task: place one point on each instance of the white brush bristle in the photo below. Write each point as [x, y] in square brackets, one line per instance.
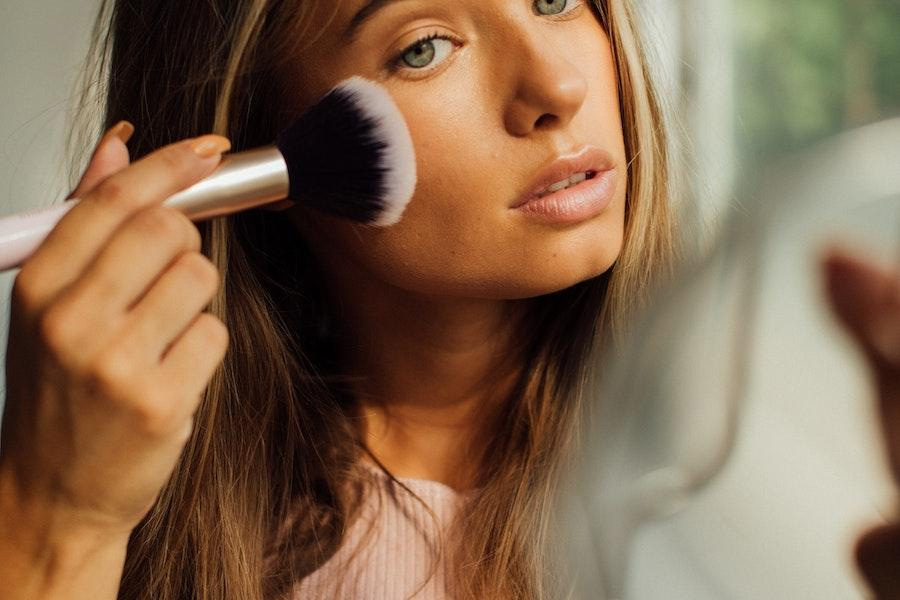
[399, 159]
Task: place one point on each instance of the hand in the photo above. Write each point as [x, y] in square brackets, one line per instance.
[109, 350]
[866, 298]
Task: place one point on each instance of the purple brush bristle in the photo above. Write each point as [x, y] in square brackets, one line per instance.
[351, 155]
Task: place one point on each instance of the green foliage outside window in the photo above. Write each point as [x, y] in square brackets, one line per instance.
[807, 69]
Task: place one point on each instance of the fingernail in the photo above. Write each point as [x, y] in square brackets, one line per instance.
[210, 145]
[122, 130]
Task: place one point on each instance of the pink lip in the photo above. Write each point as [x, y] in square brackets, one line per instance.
[575, 204]
[589, 159]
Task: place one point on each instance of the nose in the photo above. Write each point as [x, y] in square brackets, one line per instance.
[549, 88]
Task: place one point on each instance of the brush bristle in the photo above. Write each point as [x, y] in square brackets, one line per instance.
[351, 155]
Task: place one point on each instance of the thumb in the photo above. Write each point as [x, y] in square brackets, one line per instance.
[110, 156]
[866, 299]
[877, 555]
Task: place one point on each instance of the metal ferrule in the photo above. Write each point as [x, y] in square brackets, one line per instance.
[242, 180]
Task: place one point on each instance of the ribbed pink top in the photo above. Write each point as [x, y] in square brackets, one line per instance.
[395, 557]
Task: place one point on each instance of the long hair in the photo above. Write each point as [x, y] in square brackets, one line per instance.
[269, 480]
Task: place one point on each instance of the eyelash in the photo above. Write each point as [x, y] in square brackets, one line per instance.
[394, 65]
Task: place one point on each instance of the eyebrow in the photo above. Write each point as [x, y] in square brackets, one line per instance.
[364, 14]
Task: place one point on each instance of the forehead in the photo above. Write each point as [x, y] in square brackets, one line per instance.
[334, 16]
[341, 19]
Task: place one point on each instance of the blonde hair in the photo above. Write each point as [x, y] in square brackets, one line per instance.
[269, 481]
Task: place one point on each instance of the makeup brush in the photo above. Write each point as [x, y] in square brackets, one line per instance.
[349, 155]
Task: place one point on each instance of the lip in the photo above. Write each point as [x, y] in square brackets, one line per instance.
[589, 158]
[575, 204]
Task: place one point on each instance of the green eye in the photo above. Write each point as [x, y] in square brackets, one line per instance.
[550, 7]
[425, 53]
[420, 55]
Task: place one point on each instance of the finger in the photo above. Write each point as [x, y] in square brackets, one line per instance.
[137, 255]
[888, 390]
[170, 306]
[194, 357]
[81, 233]
[878, 557]
[867, 299]
[110, 156]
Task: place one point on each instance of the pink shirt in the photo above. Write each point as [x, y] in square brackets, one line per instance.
[394, 561]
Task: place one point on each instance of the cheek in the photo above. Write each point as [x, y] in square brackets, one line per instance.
[492, 259]
[450, 243]
[457, 236]
[455, 221]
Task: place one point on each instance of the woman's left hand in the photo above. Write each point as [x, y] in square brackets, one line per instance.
[866, 298]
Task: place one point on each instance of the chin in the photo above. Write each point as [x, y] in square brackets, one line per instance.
[554, 277]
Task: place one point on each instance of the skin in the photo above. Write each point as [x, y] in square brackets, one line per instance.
[132, 401]
[865, 296]
[428, 301]
[109, 353]
[429, 304]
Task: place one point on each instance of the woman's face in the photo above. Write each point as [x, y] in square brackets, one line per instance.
[503, 89]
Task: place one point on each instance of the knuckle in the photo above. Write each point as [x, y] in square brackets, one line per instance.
[199, 270]
[160, 222]
[193, 241]
[25, 291]
[213, 330]
[112, 373]
[54, 328]
[185, 431]
[109, 192]
[171, 225]
[153, 414]
[173, 159]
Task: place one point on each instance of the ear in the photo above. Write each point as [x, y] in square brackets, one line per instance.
[278, 206]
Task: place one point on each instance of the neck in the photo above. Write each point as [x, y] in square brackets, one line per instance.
[434, 375]
[431, 373]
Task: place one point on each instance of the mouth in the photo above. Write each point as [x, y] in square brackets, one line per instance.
[565, 172]
[567, 183]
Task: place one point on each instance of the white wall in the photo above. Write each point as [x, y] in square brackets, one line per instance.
[42, 45]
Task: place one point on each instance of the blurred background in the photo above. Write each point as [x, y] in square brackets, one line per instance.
[753, 84]
[784, 102]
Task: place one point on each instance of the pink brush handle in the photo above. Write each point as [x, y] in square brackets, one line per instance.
[21, 234]
[242, 181]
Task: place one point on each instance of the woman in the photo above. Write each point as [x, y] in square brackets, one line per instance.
[350, 391]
